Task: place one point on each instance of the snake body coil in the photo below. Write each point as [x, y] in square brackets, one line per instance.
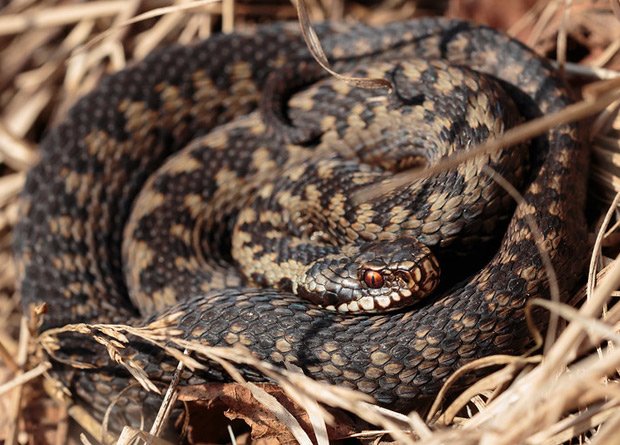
[142, 192]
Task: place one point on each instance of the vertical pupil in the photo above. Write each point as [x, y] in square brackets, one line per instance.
[373, 279]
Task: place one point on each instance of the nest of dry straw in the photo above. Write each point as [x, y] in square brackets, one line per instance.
[53, 51]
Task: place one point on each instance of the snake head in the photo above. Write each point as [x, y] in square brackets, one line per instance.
[377, 276]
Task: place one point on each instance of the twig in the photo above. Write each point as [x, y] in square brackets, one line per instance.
[511, 137]
[22, 356]
[24, 377]
[58, 16]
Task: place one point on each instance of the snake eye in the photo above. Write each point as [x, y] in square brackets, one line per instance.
[373, 279]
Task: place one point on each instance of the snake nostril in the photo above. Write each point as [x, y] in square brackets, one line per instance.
[405, 278]
[373, 279]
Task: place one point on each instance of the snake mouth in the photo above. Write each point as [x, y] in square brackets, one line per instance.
[409, 284]
[371, 305]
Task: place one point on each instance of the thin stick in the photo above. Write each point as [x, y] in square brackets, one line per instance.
[22, 356]
[588, 71]
[597, 245]
[58, 16]
[25, 377]
[8, 360]
[16, 152]
[168, 401]
[149, 15]
[510, 138]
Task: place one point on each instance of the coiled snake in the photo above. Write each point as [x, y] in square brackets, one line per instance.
[239, 144]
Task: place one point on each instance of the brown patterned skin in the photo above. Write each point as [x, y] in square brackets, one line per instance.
[96, 249]
[304, 233]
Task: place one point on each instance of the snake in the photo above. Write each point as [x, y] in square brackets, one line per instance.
[218, 181]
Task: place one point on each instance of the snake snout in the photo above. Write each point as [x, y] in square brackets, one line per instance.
[421, 277]
[374, 277]
[386, 275]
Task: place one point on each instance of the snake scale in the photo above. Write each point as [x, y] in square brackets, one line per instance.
[226, 153]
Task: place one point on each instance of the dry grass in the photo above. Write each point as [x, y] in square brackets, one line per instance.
[52, 52]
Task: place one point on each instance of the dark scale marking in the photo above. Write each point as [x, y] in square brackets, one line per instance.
[399, 358]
